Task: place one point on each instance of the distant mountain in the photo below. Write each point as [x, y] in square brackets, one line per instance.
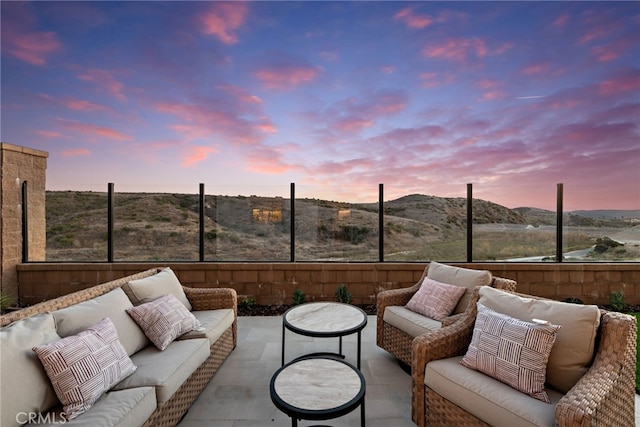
[609, 214]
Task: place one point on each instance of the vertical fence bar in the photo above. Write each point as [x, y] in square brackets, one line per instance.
[381, 222]
[110, 222]
[25, 222]
[559, 214]
[201, 223]
[469, 222]
[292, 222]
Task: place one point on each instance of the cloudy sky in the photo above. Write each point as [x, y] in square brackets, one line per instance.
[336, 97]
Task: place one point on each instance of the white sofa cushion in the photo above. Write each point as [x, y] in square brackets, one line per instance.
[163, 320]
[573, 350]
[459, 276]
[122, 408]
[78, 317]
[152, 287]
[213, 324]
[24, 385]
[166, 370]
[83, 367]
[492, 401]
[412, 323]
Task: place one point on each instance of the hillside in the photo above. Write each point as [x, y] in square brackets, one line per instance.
[163, 226]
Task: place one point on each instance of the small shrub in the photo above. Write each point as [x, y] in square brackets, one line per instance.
[247, 302]
[299, 297]
[616, 301]
[343, 295]
[5, 301]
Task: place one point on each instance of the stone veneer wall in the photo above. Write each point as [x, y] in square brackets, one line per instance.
[17, 165]
[274, 283]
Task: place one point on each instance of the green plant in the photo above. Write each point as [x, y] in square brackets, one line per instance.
[616, 301]
[299, 297]
[247, 302]
[573, 300]
[5, 301]
[343, 295]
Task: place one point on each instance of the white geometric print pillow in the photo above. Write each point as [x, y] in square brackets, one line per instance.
[511, 350]
[82, 367]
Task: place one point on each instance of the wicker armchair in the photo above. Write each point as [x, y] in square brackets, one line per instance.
[604, 396]
[398, 342]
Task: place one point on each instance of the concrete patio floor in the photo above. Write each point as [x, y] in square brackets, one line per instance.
[238, 395]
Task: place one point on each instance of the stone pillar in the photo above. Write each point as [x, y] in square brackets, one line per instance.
[17, 165]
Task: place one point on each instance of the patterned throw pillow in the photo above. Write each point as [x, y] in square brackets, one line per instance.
[82, 367]
[164, 319]
[512, 351]
[435, 300]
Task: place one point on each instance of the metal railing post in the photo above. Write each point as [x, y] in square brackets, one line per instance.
[469, 222]
[201, 224]
[25, 222]
[559, 214]
[292, 222]
[110, 222]
[381, 222]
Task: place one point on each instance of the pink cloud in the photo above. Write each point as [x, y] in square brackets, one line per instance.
[33, 48]
[430, 79]
[413, 20]
[94, 131]
[235, 116]
[487, 83]
[282, 71]
[268, 160]
[197, 154]
[625, 81]
[223, 20]
[493, 95]
[561, 21]
[21, 39]
[457, 49]
[82, 105]
[76, 152]
[48, 134]
[105, 80]
[536, 69]
[612, 51]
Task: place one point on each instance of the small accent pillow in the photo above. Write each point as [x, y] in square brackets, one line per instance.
[512, 351]
[82, 367]
[164, 319]
[435, 300]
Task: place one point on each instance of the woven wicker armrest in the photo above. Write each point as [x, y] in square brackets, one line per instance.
[605, 395]
[447, 321]
[504, 284]
[450, 341]
[212, 298]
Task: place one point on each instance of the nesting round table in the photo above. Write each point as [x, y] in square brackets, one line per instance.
[318, 388]
[325, 319]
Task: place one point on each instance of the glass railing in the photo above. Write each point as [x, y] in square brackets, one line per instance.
[305, 223]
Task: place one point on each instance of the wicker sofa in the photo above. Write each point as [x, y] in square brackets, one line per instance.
[397, 326]
[596, 391]
[164, 384]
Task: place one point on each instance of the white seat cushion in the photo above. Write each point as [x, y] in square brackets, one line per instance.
[408, 321]
[490, 400]
[168, 369]
[214, 323]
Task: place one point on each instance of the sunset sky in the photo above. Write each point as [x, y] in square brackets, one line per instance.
[336, 97]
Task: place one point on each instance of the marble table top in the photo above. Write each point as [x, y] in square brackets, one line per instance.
[324, 317]
[318, 384]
